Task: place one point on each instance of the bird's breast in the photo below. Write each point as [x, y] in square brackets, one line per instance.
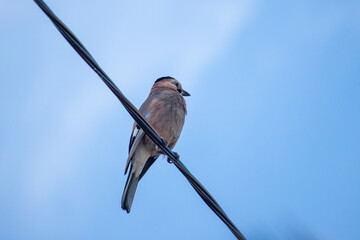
[167, 117]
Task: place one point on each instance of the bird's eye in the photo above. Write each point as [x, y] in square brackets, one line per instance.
[177, 85]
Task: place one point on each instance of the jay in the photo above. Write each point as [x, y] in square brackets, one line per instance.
[165, 111]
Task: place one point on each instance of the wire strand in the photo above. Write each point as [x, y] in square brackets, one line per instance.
[82, 51]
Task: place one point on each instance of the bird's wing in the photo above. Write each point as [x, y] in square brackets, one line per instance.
[134, 133]
[137, 133]
[147, 165]
[136, 137]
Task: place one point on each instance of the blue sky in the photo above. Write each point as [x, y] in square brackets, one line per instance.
[272, 129]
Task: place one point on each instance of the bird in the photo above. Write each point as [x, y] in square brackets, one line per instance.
[165, 110]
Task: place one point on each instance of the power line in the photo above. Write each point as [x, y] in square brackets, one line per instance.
[81, 50]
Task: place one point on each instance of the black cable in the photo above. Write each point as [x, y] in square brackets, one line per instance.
[81, 50]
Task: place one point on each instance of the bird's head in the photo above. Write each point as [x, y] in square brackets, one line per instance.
[171, 82]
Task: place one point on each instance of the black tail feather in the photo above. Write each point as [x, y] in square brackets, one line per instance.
[129, 192]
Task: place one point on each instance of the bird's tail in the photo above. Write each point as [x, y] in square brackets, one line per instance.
[129, 191]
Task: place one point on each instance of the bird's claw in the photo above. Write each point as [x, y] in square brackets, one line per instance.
[164, 141]
[176, 155]
[161, 152]
[159, 149]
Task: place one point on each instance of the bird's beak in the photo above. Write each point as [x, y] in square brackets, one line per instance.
[185, 93]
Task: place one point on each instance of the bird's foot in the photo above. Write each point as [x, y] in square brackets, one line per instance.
[170, 160]
[159, 149]
[164, 141]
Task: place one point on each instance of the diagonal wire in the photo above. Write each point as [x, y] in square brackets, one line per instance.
[81, 50]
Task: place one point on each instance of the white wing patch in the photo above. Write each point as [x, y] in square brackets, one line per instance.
[135, 139]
